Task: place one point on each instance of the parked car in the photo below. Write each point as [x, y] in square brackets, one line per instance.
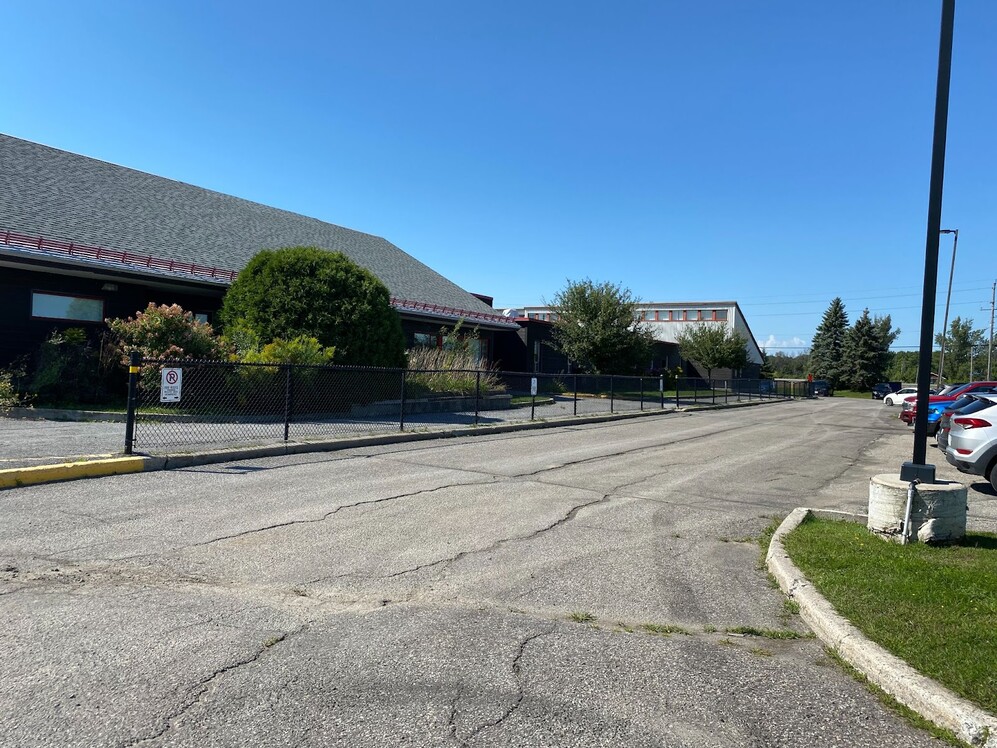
[964, 406]
[895, 398]
[821, 388]
[909, 411]
[972, 445]
[881, 390]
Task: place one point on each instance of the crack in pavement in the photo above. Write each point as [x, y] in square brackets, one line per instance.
[198, 693]
[323, 518]
[572, 513]
[520, 688]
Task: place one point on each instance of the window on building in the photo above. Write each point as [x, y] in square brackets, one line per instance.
[201, 317]
[720, 314]
[62, 306]
[425, 340]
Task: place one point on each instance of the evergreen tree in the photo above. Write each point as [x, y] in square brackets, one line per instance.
[863, 360]
[303, 291]
[828, 347]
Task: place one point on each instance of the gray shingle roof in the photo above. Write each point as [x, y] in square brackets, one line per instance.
[62, 195]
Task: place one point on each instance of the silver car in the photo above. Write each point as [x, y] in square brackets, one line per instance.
[972, 446]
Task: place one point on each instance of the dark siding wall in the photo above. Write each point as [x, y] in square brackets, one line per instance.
[529, 349]
[20, 334]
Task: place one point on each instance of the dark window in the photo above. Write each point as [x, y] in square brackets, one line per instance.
[62, 306]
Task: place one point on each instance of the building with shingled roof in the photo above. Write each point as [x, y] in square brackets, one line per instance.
[82, 240]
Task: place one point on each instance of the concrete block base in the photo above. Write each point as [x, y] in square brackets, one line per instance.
[938, 510]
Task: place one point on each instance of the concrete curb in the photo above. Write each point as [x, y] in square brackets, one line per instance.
[15, 477]
[926, 697]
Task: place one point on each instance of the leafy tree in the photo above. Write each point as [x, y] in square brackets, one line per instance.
[596, 327]
[789, 366]
[903, 366]
[713, 347]
[961, 339]
[828, 347]
[287, 293]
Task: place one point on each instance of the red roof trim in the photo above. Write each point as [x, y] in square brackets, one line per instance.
[90, 252]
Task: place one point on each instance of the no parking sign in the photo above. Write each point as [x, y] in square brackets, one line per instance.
[169, 389]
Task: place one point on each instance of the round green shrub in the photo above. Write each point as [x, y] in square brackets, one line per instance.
[305, 291]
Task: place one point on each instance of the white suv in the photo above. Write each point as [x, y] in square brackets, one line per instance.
[972, 444]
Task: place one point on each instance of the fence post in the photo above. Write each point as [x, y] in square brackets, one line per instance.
[288, 394]
[713, 392]
[678, 384]
[612, 394]
[477, 395]
[642, 393]
[401, 400]
[661, 389]
[575, 412]
[695, 391]
[726, 392]
[134, 361]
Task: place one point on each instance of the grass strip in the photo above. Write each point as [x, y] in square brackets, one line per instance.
[934, 607]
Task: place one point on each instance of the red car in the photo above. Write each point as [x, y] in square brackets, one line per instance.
[909, 410]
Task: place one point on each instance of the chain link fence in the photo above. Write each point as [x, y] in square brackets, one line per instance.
[178, 405]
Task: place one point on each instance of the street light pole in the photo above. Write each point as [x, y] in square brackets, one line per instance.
[917, 469]
[948, 297]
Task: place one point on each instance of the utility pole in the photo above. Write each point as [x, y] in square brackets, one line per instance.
[948, 297]
[990, 340]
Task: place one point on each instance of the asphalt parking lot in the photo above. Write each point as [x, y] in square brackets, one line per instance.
[513, 589]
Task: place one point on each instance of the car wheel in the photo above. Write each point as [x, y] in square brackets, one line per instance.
[993, 478]
[888, 400]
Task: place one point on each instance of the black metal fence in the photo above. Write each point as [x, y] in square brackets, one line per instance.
[186, 404]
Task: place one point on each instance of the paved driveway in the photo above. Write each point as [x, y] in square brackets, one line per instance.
[423, 594]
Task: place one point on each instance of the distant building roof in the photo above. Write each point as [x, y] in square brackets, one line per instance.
[63, 198]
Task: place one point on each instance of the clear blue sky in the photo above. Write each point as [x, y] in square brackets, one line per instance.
[776, 153]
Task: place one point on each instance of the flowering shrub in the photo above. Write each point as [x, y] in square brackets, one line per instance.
[167, 332]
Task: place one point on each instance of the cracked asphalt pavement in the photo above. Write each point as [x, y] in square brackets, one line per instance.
[514, 589]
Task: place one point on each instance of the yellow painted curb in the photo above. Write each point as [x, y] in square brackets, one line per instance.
[70, 470]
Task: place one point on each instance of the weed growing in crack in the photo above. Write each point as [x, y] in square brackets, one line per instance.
[760, 652]
[271, 640]
[624, 627]
[664, 629]
[709, 629]
[581, 616]
[765, 633]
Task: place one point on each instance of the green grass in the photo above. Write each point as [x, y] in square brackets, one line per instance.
[863, 394]
[935, 608]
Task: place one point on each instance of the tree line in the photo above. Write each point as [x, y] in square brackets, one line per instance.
[857, 356]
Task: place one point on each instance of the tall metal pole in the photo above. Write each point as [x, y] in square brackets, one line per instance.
[948, 297]
[917, 469]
